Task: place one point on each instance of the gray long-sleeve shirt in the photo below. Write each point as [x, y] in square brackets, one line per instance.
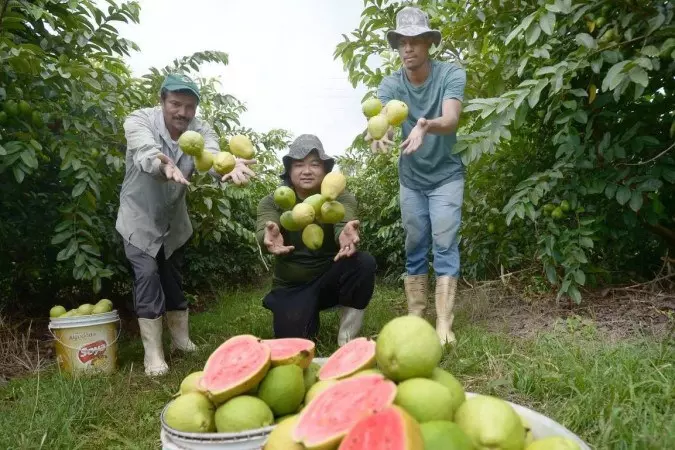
[153, 211]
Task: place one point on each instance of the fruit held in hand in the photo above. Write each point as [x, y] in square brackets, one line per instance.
[191, 143]
[397, 112]
[241, 146]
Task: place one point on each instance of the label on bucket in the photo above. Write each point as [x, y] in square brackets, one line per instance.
[87, 348]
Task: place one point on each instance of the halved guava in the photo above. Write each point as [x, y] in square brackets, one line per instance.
[389, 429]
[291, 351]
[357, 354]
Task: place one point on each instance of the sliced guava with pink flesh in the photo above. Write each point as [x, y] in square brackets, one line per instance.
[334, 411]
[291, 351]
[357, 354]
[389, 429]
[235, 367]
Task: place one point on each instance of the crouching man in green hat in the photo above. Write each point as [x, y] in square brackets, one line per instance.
[153, 218]
[308, 281]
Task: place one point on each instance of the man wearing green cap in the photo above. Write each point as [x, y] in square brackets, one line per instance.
[153, 218]
[308, 281]
[431, 177]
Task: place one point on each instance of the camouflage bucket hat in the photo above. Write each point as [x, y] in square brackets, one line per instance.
[412, 21]
[302, 146]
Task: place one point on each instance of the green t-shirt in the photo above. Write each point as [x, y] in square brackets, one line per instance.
[302, 264]
[433, 164]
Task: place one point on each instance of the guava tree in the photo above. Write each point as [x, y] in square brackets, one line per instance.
[567, 129]
[64, 93]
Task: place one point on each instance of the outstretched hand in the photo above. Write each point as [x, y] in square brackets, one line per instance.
[274, 240]
[241, 174]
[171, 171]
[415, 138]
[349, 237]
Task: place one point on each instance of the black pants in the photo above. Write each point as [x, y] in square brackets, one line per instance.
[158, 284]
[348, 282]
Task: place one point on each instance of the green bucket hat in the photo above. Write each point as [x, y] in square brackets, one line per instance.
[180, 82]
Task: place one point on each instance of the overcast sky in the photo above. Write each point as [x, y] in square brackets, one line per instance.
[280, 58]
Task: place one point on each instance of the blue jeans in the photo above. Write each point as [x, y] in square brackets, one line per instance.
[432, 218]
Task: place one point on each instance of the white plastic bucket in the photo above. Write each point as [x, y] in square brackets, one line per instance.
[86, 344]
[541, 426]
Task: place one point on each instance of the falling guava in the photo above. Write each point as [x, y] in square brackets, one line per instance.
[284, 197]
[191, 143]
[397, 112]
[241, 146]
[204, 162]
[371, 107]
[287, 221]
[332, 185]
[312, 236]
[303, 214]
[223, 162]
[332, 212]
[378, 126]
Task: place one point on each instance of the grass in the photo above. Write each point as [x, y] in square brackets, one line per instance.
[615, 395]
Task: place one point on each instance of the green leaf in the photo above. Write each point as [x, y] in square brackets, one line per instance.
[639, 76]
[614, 76]
[532, 34]
[547, 22]
[623, 195]
[79, 189]
[61, 237]
[650, 185]
[586, 40]
[636, 201]
[18, 174]
[580, 277]
[574, 294]
[650, 51]
[3, 152]
[551, 274]
[586, 242]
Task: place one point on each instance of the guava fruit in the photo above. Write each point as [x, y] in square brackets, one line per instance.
[371, 107]
[378, 126]
[332, 413]
[57, 311]
[408, 347]
[11, 108]
[397, 112]
[296, 351]
[332, 212]
[242, 413]
[389, 429]
[24, 108]
[303, 214]
[491, 422]
[36, 119]
[316, 200]
[191, 143]
[191, 383]
[3, 117]
[280, 437]
[100, 309]
[283, 389]
[356, 355]
[317, 388]
[452, 384]
[424, 399]
[284, 197]
[444, 435]
[85, 309]
[191, 413]
[310, 375]
[107, 302]
[332, 185]
[312, 236]
[553, 443]
[529, 437]
[366, 372]
[223, 162]
[235, 367]
[241, 146]
[287, 221]
[204, 161]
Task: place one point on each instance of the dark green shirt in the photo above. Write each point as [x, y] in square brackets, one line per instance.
[302, 264]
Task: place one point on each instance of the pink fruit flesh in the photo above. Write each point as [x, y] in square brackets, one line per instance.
[235, 361]
[348, 359]
[334, 411]
[384, 430]
[285, 348]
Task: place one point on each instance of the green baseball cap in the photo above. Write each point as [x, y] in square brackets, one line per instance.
[179, 82]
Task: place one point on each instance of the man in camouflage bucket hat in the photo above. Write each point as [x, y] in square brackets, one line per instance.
[308, 281]
[431, 177]
[153, 219]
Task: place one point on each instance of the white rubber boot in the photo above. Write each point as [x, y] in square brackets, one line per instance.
[177, 321]
[446, 287]
[151, 334]
[351, 320]
[416, 293]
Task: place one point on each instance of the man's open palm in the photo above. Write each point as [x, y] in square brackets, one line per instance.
[348, 239]
[274, 240]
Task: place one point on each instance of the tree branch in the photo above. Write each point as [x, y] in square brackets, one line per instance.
[650, 160]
